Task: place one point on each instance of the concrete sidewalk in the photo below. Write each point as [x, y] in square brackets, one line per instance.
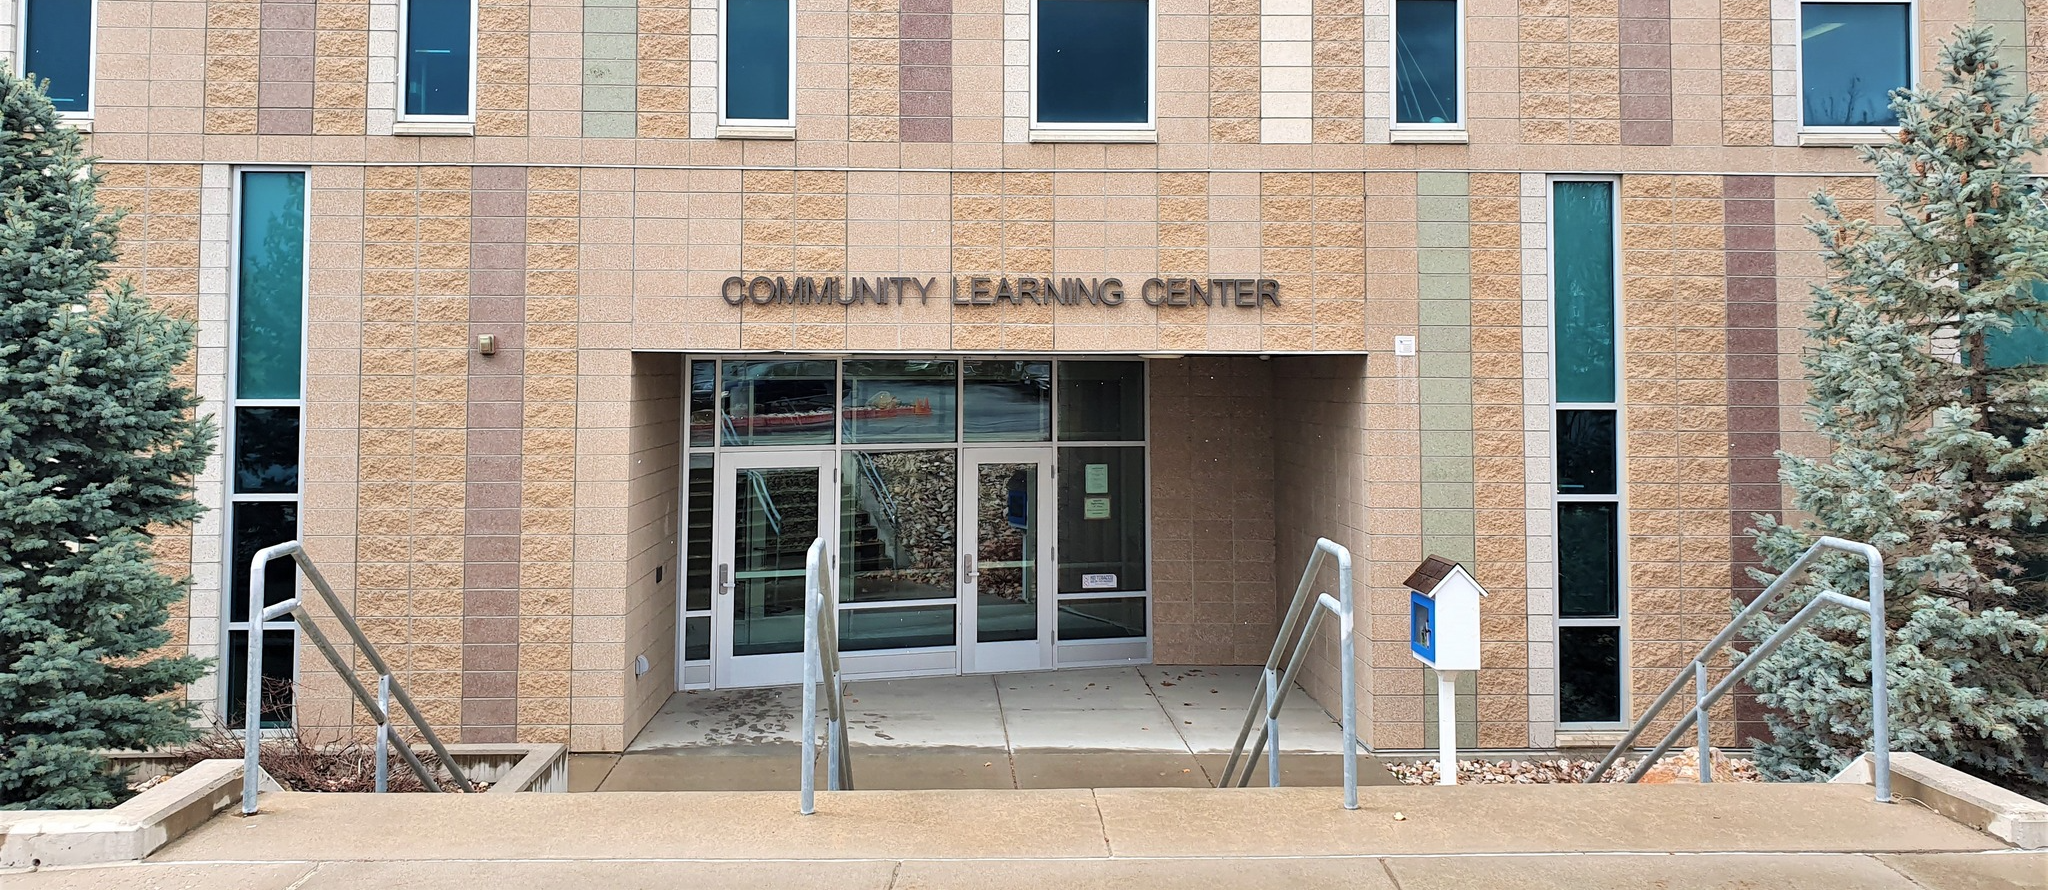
[1807, 871]
[1403, 838]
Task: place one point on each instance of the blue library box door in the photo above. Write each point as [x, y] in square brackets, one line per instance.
[1422, 626]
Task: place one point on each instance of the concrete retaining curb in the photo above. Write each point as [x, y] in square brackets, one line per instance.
[126, 833]
[2010, 817]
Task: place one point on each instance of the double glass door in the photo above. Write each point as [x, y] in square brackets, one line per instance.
[942, 558]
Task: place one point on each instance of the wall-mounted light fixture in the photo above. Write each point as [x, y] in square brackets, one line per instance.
[486, 344]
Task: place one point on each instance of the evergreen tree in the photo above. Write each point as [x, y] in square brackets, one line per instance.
[98, 443]
[1939, 456]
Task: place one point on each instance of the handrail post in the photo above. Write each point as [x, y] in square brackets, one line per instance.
[1880, 679]
[1699, 710]
[1272, 729]
[383, 733]
[252, 677]
[807, 780]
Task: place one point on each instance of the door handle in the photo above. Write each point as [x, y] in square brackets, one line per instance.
[973, 574]
[725, 579]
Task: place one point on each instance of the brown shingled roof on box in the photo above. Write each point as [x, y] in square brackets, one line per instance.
[1431, 573]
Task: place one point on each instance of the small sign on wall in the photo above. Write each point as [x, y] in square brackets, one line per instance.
[1096, 477]
[1099, 582]
[1095, 508]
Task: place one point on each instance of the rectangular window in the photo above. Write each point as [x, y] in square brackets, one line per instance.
[1586, 416]
[264, 429]
[439, 59]
[2026, 343]
[757, 70]
[1429, 62]
[1091, 64]
[1851, 57]
[1102, 519]
[57, 45]
[1582, 227]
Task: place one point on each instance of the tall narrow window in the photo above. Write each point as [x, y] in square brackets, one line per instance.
[439, 59]
[1587, 421]
[1851, 57]
[1091, 64]
[758, 65]
[1429, 64]
[56, 44]
[265, 426]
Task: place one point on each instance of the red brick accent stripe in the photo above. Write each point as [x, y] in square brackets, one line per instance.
[284, 68]
[925, 70]
[1646, 72]
[490, 545]
[1750, 229]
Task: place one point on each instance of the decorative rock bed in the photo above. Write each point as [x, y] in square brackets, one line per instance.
[1682, 767]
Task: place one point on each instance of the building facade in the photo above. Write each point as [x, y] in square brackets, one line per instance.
[558, 329]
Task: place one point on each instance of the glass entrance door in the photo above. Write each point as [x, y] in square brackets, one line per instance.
[1005, 500]
[770, 507]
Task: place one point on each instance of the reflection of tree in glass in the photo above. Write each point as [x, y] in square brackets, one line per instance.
[916, 554]
[272, 286]
[1002, 541]
[266, 450]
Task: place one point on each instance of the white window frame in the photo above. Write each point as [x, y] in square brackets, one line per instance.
[228, 496]
[1423, 132]
[1070, 131]
[753, 127]
[1818, 134]
[433, 124]
[79, 119]
[1619, 499]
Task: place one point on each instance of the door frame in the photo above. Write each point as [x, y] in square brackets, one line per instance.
[1035, 655]
[729, 670]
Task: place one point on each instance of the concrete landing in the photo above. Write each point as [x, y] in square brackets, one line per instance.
[1790, 837]
[1165, 727]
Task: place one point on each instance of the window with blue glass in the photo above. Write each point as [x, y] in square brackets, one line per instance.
[1092, 63]
[439, 58]
[2026, 344]
[1427, 70]
[1586, 423]
[56, 45]
[759, 61]
[1851, 57]
[264, 427]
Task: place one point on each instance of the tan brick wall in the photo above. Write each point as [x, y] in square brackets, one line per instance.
[1212, 467]
[1499, 478]
[1674, 370]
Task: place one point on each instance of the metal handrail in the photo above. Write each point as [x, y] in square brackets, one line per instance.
[388, 688]
[1274, 685]
[883, 495]
[821, 666]
[1704, 698]
[772, 513]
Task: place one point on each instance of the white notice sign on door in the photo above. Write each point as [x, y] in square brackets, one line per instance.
[1098, 582]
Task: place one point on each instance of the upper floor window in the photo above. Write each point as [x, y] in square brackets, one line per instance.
[56, 44]
[1429, 50]
[439, 59]
[1091, 64]
[757, 70]
[1851, 57]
